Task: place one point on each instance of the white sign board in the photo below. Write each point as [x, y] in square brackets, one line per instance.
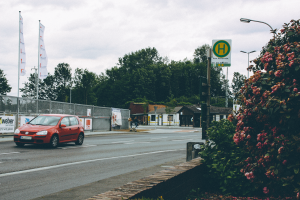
[116, 118]
[89, 112]
[7, 124]
[88, 122]
[24, 119]
[221, 53]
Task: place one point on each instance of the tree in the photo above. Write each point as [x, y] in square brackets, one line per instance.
[84, 86]
[267, 123]
[200, 54]
[237, 83]
[145, 74]
[62, 74]
[4, 86]
[46, 88]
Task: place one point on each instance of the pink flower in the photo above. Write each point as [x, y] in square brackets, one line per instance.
[295, 90]
[259, 145]
[284, 162]
[280, 150]
[278, 73]
[266, 190]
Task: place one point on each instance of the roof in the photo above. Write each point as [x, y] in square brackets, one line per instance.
[163, 110]
[213, 109]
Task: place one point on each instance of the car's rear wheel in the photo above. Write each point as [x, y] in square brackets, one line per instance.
[20, 144]
[54, 141]
[80, 139]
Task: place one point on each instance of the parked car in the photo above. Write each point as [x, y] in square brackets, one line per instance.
[50, 129]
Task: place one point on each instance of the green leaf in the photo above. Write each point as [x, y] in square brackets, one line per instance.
[276, 171]
[228, 176]
[296, 171]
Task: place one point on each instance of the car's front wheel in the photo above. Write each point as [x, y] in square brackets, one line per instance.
[20, 144]
[80, 139]
[54, 141]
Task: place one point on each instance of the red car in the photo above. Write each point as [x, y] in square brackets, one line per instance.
[50, 129]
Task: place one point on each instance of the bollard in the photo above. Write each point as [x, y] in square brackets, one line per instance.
[192, 150]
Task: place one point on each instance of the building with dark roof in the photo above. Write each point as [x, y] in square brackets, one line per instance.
[190, 115]
[162, 118]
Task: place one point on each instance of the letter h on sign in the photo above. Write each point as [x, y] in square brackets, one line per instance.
[219, 48]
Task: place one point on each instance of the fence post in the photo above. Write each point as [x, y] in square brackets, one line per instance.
[50, 107]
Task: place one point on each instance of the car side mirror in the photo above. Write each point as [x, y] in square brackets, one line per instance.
[63, 125]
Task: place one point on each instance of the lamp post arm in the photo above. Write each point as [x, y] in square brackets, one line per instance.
[263, 23]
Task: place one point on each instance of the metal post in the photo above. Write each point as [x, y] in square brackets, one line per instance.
[155, 107]
[226, 98]
[248, 65]
[208, 83]
[248, 59]
[70, 94]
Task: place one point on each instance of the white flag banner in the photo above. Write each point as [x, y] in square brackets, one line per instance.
[43, 73]
[43, 59]
[22, 54]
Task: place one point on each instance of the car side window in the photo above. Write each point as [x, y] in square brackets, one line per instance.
[65, 121]
[74, 121]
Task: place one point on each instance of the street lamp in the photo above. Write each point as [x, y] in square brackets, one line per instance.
[248, 59]
[245, 20]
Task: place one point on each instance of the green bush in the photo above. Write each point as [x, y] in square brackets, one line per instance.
[223, 160]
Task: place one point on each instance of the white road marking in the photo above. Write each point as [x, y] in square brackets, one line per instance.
[8, 153]
[181, 140]
[158, 138]
[189, 135]
[76, 147]
[122, 141]
[137, 143]
[85, 161]
[89, 146]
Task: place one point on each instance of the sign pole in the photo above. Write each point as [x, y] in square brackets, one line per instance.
[226, 102]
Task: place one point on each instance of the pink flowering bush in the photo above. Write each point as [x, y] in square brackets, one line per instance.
[268, 122]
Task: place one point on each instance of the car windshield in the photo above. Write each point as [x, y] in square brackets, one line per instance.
[45, 120]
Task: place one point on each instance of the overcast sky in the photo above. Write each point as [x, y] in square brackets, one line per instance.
[94, 34]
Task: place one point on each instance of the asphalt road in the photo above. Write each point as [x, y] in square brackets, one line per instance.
[78, 172]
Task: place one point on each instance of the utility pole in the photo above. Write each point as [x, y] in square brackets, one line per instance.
[35, 80]
[205, 96]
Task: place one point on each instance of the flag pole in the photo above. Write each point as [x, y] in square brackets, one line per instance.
[18, 103]
[37, 86]
[19, 55]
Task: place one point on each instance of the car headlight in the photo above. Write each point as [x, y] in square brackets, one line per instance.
[42, 133]
[17, 131]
